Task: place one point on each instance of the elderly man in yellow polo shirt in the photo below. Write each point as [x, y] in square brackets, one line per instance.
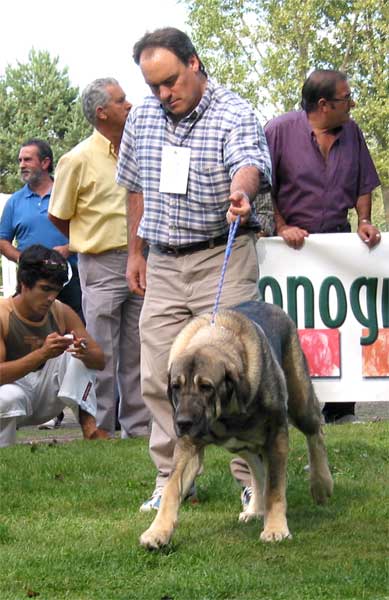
[89, 207]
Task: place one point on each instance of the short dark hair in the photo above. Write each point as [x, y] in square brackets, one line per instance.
[321, 83]
[38, 262]
[44, 150]
[171, 39]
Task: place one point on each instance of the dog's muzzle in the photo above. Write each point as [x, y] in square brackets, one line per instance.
[188, 425]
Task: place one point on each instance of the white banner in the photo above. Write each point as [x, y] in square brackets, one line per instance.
[337, 292]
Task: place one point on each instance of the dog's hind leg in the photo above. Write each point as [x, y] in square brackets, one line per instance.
[304, 412]
[255, 508]
[187, 463]
[321, 481]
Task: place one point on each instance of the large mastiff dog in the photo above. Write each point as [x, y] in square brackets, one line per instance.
[234, 384]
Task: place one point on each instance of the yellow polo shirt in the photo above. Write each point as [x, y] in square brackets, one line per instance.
[85, 193]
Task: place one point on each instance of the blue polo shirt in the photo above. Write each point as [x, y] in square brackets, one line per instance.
[25, 219]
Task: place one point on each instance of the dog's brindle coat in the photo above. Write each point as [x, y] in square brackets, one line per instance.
[234, 384]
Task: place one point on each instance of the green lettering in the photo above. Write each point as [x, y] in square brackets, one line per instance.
[275, 288]
[370, 321]
[324, 302]
[292, 285]
[385, 303]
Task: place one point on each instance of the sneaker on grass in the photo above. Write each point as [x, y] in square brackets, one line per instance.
[245, 497]
[153, 503]
[52, 424]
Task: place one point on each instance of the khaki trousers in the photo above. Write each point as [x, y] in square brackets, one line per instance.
[179, 288]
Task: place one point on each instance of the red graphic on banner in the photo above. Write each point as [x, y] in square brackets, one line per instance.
[322, 350]
[375, 357]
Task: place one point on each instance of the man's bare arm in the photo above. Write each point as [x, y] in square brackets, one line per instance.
[9, 250]
[243, 190]
[366, 231]
[85, 349]
[246, 180]
[61, 224]
[136, 265]
[11, 370]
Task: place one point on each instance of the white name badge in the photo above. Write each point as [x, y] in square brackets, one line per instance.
[174, 170]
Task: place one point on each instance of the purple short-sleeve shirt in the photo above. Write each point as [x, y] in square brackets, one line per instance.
[311, 192]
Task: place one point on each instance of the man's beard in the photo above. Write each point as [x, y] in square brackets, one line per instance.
[32, 178]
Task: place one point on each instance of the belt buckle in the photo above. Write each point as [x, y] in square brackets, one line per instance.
[171, 250]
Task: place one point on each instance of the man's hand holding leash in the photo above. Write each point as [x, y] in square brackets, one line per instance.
[240, 207]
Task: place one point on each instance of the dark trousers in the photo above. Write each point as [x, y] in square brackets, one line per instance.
[335, 410]
[71, 294]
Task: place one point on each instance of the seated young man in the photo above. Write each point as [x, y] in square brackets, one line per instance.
[42, 369]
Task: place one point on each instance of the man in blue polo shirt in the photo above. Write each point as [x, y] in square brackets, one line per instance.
[24, 218]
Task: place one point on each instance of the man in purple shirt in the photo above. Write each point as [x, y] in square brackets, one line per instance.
[321, 169]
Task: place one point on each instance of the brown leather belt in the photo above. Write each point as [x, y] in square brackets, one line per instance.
[189, 249]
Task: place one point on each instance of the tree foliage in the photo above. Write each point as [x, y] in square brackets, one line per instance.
[36, 100]
[264, 49]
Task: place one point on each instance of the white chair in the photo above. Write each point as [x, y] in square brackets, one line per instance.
[8, 268]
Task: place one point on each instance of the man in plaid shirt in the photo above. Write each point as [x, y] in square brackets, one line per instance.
[193, 157]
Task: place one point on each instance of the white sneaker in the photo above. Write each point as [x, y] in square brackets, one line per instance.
[153, 502]
[245, 497]
[52, 424]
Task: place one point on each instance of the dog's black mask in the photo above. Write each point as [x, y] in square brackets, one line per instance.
[202, 393]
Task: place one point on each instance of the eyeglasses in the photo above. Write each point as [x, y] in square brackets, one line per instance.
[51, 265]
[347, 98]
[48, 264]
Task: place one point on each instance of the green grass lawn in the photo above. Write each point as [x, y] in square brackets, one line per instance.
[69, 527]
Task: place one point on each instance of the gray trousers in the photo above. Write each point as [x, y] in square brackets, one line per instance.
[179, 288]
[112, 318]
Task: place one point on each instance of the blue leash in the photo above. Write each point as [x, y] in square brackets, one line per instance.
[231, 237]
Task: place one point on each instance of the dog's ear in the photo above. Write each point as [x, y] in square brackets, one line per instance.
[236, 391]
[174, 383]
[170, 390]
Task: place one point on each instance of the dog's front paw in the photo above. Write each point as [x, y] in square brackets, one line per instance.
[247, 515]
[276, 532]
[154, 539]
[274, 535]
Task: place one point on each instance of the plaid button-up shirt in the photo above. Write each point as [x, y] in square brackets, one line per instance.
[223, 135]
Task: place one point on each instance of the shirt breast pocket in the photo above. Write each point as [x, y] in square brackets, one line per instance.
[209, 184]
